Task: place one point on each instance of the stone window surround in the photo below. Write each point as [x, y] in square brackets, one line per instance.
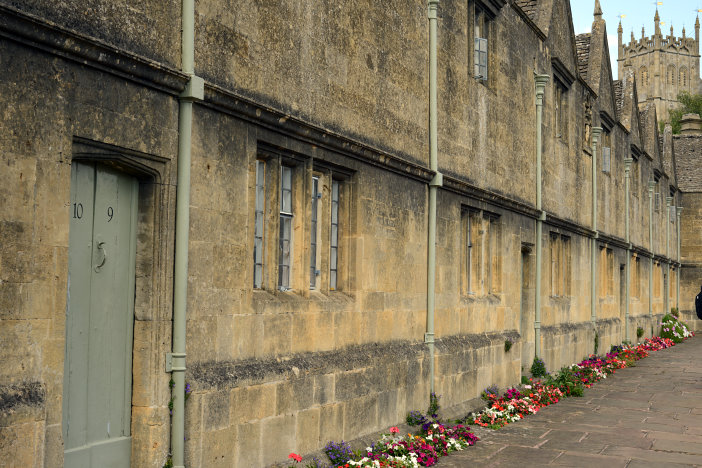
[560, 255]
[304, 169]
[563, 79]
[482, 13]
[481, 249]
[606, 276]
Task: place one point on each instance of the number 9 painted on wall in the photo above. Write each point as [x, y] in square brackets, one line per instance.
[110, 213]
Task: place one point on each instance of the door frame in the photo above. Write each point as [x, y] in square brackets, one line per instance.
[153, 299]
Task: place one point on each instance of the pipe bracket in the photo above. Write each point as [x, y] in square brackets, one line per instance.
[437, 181]
[194, 90]
[175, 362]
[429, 338]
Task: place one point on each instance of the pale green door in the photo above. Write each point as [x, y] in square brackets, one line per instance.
[99, 318]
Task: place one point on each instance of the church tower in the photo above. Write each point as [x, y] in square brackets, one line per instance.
[665, 65]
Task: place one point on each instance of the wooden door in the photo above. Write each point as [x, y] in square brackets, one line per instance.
[100, 317]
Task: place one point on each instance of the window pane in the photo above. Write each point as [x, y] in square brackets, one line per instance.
[334, 235]
[258, 224]
[259, 198]
[259, 172]
[332, 279]
[284, 252]
[286, 190]
[332, 258]
[313, 233]
[287, 177]
[482, 45]
[258, 250]
[258, 276]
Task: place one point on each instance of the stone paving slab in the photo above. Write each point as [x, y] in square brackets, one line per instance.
[646, 416]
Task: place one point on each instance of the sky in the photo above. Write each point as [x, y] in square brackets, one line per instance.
[635, 14]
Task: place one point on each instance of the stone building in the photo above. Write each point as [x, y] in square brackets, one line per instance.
[665, 65]
[254, 193]
[688, 157]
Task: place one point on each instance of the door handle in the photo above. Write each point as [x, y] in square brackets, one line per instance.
[104, 256]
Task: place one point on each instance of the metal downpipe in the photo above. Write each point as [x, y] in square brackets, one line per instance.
[193, 91]
[596, 132]
[540, 82]
[627, 182]
[435, 183]
[651, 185]
[668, 201]
[677, 277]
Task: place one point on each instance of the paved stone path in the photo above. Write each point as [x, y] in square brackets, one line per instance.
[645, 416]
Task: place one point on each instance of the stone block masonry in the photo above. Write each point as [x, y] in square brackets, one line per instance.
[307, 280]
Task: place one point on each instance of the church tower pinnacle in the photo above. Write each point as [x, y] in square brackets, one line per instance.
[657, 20]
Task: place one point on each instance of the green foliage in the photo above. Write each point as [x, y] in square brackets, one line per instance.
[492, 391]
[433, 409]
[675, 312]
[538, 368]
[639, 332]
[691, 104]
[568, 382]
[673, 328]
[508, 345]
[415, 418]
[525, 380]
[169, 462]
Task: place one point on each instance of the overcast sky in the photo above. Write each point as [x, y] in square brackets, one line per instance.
[635, 14]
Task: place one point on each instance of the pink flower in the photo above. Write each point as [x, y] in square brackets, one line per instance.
[295, 457]
[394, 430]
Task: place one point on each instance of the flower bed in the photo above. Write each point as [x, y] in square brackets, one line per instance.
[400, 451]
[675, 329]
[436, 439]
[568, 381]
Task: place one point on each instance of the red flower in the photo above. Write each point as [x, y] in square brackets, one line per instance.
[295, 457]
[394, 430]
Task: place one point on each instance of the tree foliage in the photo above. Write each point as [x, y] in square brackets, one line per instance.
[691, 104]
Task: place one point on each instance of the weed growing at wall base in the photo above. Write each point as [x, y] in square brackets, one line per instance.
[538, 368]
